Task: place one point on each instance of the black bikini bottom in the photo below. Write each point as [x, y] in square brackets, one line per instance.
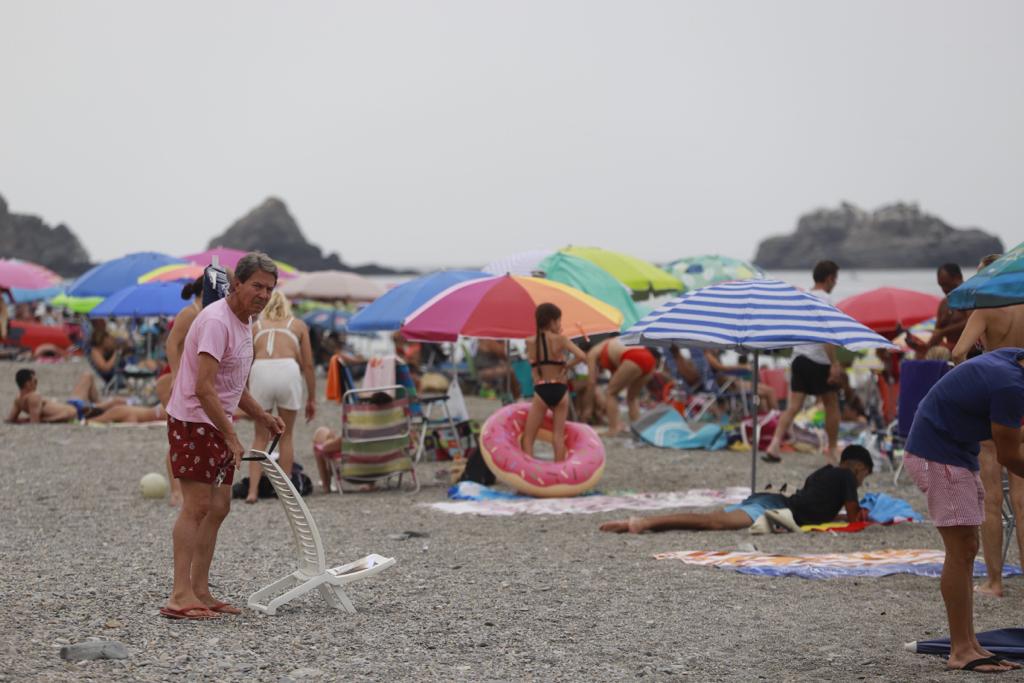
[551, 392]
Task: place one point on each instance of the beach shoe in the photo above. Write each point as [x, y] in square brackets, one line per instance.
[783, 519]
[187, 613]
[224, 608]
[761, 526]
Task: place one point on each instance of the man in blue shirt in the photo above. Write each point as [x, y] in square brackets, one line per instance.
[978, 400]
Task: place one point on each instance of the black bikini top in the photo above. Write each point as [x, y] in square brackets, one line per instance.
[543, 357]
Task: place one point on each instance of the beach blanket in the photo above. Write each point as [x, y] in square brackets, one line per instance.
[664, 427]
[827, 565]
[489, 502]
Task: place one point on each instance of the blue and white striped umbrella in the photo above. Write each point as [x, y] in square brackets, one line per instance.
[751, 315]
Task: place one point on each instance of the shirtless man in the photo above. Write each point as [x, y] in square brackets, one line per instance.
[85, 399]
[949, 322]
[995, 328]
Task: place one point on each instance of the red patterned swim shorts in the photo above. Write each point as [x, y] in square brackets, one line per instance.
[198, 452]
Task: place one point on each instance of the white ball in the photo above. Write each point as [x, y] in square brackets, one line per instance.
[153, 485]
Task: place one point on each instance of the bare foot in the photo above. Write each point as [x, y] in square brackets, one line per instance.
[251, 499]
[989, 588]
[633, 525]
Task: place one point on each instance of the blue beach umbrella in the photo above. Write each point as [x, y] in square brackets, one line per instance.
[1000, 283]
[156, 298]
[751, 316]
[388, 313]
[330, 319]
[112, 276]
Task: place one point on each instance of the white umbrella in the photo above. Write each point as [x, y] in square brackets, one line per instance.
[332, 285]
[522, 263]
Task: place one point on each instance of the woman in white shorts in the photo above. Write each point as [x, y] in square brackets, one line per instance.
[282, 378]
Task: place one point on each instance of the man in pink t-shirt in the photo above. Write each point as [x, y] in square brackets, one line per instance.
[205, 450]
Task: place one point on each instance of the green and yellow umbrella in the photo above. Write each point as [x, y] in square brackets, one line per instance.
[643, 279]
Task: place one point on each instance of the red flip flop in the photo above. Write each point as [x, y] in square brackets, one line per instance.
[224, 608]
[187, 613]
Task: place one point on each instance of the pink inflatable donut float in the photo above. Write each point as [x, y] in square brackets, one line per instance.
[501, 447]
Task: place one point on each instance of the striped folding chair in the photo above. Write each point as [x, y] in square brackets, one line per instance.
[376, 443]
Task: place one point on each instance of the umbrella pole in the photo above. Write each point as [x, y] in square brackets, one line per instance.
[757, 427]
[508, 365]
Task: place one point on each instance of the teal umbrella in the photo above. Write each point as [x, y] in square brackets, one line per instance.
[593, 280]
[700, 271]
[1000, 283]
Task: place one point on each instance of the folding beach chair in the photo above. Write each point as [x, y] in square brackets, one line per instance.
[376, 439]
[708, 392]
[312, 571]
[1009, 517]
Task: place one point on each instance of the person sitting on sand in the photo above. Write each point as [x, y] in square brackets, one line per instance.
[126, 414]
[84, 401]
[632, 368]
[824, 493]
[547, 352]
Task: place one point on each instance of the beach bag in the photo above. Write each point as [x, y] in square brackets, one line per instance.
[769, 423]
[302, 483]
[477, 470]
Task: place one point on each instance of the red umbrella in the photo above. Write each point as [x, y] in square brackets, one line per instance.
[887, 309]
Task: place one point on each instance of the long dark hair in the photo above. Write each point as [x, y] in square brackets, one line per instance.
[545, 315]
[191, 289]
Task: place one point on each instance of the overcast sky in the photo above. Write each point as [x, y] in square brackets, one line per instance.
[421, 133]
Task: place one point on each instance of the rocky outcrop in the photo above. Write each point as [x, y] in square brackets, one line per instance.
[271, 228]
[895, 236]
[29, 238]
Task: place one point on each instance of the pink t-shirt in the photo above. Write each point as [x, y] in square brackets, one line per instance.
[218, 332]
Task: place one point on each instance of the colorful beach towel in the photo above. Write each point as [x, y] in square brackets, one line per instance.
[882, 509]
[505, 505]
[828, 565]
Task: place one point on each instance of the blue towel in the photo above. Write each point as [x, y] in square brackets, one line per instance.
[471, 490]
[665, 427]
[883, 508]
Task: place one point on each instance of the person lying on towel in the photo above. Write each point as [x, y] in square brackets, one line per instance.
[84, 402]
[823, 495]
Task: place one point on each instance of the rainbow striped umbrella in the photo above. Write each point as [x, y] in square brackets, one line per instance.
[503, 308]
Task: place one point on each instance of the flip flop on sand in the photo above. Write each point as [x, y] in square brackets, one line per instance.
[224, 608]
[988, 661]
[187, 613]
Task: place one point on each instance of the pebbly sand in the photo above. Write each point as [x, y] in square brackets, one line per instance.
[479, 598]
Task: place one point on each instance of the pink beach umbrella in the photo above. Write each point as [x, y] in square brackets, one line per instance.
[26, 275]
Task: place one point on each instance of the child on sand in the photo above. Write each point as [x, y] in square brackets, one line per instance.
[825, 492]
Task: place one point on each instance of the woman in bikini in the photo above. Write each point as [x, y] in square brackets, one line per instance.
[282, 370]
[550, 388]
[632, 368]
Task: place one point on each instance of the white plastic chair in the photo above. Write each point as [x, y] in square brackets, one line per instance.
[312, 571]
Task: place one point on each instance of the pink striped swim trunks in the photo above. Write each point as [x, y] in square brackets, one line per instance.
[955, 494]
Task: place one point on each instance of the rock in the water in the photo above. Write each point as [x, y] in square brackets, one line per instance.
[895, 236]
[29, 238]
[271, 228]
[94, 649]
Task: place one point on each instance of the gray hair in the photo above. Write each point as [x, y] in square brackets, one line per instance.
[253, 261]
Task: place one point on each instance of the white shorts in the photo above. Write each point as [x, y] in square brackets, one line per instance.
[277, 383]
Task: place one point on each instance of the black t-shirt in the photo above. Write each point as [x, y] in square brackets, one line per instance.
[823, 495]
